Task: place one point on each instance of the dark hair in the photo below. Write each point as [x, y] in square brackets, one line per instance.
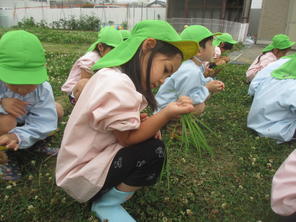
[227, 46]
[270, 51]
[203, 42]
[133, 69]
[258, 60]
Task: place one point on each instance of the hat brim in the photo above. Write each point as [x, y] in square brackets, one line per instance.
[271, 47]
[232, 42]
[25, 76]
[188, 48]
[268, 48]
[94, 45]
[216, 42]
[127, 49]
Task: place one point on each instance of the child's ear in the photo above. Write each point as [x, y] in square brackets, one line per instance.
[148, 44]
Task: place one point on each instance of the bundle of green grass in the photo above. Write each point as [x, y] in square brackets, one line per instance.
[192, 134]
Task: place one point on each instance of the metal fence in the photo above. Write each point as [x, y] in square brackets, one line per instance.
[236, 29]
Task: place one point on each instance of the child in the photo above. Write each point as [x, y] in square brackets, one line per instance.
[273, 110]
[222, 43]
[283, 192]
[108, 38]
[278, 48]
[27, 108]
[189, 80]
[107, 153]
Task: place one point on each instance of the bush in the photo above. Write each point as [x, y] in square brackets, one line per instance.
[85, 23]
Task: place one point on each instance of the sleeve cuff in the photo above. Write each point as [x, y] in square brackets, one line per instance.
[18, 137]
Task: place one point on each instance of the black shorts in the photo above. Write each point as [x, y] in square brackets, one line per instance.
[137, 165]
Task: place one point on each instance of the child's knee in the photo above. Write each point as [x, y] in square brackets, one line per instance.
[8, 122]
[60, 110]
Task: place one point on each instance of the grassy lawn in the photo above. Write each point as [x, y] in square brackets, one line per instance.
[232, 185]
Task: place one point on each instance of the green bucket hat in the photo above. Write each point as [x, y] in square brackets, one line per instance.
[125, 34]
[224, 37]
[22, 59]
[109, 36]
[279, 41]
[197, 33]
[287, 70]
[156, 29]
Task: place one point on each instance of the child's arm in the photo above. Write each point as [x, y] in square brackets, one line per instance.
[191, 82]
[283, 194]
[149, 127]
[85, 73]
[14, 106]
[41, 120]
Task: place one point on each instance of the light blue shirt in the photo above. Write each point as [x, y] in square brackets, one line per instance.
[41, 118]
[189, 80]
[273, 111]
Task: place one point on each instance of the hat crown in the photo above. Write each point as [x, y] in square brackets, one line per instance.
[110, 36]
[280, 40]
[156, 29]
[21, 49]
[196, 33]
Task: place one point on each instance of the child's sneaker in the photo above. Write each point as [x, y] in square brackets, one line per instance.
[10, 171]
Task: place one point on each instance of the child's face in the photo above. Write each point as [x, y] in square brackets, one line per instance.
[103, 50]
[280, 53]
[207, 53]
[22, 89]
[161, 68]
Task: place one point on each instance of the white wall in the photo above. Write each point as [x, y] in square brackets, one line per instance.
[117, 15]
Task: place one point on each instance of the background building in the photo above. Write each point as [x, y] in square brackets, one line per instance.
[277, 17]
[230, 16]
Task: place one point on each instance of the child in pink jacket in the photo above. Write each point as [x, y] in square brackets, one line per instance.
[108, 38]
[283, 195]
[279, 47]
[108, 151]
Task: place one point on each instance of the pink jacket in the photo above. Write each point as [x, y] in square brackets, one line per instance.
[108, 102]
[255, 67]
[283, 194]
[85, 62]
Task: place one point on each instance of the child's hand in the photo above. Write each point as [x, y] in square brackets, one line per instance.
[221, 60]
[79, 87]
[199, 108]
[182, 106]
[85, 74]
[9, 140]
[209, 72]
[13, 106]
[225, 58]
[215, 86]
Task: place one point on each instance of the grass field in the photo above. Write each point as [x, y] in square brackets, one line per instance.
[232, 185]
